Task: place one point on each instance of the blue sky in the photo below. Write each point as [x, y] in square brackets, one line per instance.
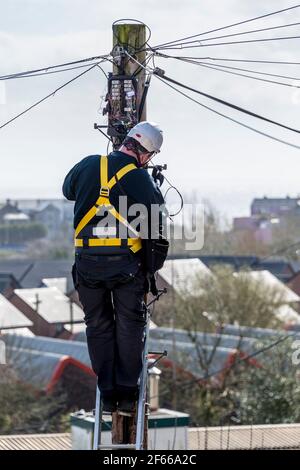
[205, 154]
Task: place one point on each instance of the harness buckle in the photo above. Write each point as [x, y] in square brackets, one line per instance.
[104, 191]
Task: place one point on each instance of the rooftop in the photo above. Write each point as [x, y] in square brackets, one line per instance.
[10, 316]
[30, 273]
[51, 304]
[36, 442]
[268, 436]
[181, 273]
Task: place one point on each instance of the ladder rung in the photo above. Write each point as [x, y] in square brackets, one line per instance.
[117, 446]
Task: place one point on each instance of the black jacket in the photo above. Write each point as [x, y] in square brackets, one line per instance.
[82, 184]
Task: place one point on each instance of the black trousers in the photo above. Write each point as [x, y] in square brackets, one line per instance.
[112, 293]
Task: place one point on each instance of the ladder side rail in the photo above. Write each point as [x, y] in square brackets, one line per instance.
[142, 391]
[98, 421]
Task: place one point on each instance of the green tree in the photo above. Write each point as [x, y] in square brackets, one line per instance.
[21, 233]
[271, 393]
[232, 396]
[25, 410]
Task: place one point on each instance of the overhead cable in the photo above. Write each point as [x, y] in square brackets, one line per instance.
[183, 45]
[241, 33]
[199, 62]
[46, 97]
[231, 25]
[230, 105]
[221, 68]
[265, 134]
[51, 67]
[256, 61]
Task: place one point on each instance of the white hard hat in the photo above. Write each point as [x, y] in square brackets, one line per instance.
[148, 134]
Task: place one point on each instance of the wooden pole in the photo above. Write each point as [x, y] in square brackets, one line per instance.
[130, 37]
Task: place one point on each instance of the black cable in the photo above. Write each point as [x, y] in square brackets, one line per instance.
[102, 70]
[142, 66]
[53, 67]
[46, 97]
[51, 72]
[198, 62]
[244, 32]
[237, 361]
[144, 96]
[289, 25]
[287, 77]
[215, 67]
[231, 25]
[160, 77]
[184, 46]
[276, 139]
[230, 105]
[171, 186]
[234, 60]
[105, 135]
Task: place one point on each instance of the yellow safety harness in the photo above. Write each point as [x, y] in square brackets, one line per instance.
[135, 244]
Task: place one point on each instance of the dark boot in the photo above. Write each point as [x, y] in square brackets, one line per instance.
[109, 401]
[127, 401]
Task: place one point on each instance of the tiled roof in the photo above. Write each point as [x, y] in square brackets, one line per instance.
[271, 281]
[42, 361]
[59, 282]
[30, 273]
[53, 306]
[285, 313]
[10, 316]
[268, 436]
[208, 339]
[181, 273]
[259, 333]
[36, 442]
[75, 349]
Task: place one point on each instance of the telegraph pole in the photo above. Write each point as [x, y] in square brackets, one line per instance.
[132, 37]
[126, 96]
[126, 106]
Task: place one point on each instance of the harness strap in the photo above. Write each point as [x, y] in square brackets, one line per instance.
[103, 200]
[134, 243]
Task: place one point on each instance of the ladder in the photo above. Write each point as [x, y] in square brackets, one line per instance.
[142, 405]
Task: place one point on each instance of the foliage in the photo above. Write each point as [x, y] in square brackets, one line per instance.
[24, 410]
[221, 298]
[269, 394]
[21, 232]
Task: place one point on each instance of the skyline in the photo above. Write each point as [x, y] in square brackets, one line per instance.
[207, 155]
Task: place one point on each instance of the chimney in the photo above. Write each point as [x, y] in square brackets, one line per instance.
[154, 377]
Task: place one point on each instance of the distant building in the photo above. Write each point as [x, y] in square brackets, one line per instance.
[260, 227]
[7, 283]
[266, 214]
[53, 214]
[34, 206]
[32, 273]
[275, 206]
[49, 310]
[11, 317]
[49, 217]
[10, 213]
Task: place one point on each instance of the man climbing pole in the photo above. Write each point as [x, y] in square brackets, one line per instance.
[116, 258]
